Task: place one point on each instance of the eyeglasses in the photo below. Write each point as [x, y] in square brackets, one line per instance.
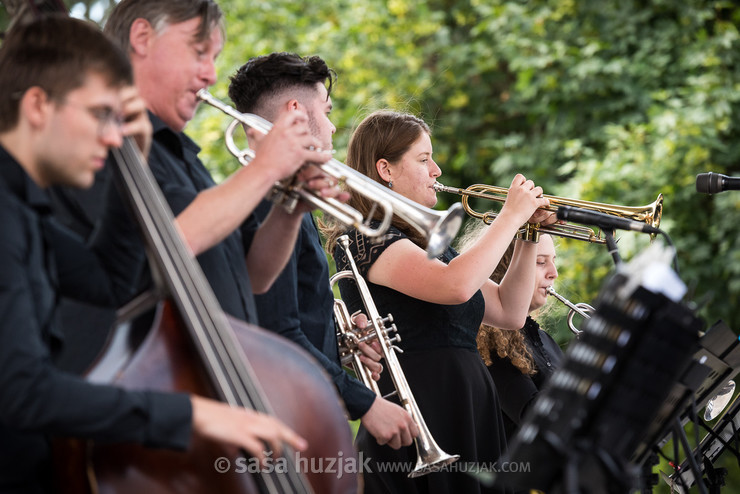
[105, 115]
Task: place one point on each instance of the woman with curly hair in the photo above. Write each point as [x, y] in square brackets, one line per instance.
[520, 362]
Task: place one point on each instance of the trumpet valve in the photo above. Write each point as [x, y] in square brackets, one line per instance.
[396, 338]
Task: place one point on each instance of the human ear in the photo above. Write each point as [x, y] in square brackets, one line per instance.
[140, 34]
[384, 169]
[34, 106]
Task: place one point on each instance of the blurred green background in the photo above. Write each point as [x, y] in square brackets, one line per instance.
[611, 101]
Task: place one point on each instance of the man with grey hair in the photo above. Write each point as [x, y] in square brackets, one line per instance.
[172, 46]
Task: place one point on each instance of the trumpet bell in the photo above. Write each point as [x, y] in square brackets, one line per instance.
[439, 228]
[443, 228]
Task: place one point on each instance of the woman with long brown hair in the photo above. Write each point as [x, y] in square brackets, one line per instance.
[437, 305]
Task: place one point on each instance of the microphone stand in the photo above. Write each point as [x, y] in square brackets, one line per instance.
[611, 246]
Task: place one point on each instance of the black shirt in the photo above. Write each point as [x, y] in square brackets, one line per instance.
[42, 260]
[422, 325]
[517, 390]
[299, 306]
[174, 162]
[86, 327]
[181, 175]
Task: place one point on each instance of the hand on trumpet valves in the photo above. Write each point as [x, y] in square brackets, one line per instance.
[314, 179]
[544, 217]
[523, 201]
[287, 147]
[370, 353]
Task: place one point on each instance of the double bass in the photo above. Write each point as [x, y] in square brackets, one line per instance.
[194, 347]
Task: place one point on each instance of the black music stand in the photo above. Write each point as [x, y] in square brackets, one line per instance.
[583, 428]
[721, 353]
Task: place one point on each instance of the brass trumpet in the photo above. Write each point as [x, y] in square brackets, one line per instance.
[581, 308]
[649, 214]
[429, 456]
[438, 227]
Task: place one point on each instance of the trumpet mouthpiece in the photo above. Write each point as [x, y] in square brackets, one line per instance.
[439, 187]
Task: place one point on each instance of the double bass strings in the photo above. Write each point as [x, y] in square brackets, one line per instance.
[229, 369]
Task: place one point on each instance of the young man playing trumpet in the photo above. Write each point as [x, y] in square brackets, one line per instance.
[299, 305]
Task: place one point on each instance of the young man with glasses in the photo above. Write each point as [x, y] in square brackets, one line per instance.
[65, 100]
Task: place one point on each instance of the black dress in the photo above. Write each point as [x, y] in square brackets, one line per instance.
[450, 383]
[518, 390]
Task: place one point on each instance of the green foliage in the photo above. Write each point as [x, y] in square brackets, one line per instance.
[610, 101]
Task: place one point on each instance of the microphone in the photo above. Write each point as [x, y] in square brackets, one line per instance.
[712, 183]
[602, 220]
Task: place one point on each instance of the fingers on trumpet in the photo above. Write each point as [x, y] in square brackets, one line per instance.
[526, 201]
[544, 218]
[370, 354]
[370, 358]
[289, 145]
[314, 179]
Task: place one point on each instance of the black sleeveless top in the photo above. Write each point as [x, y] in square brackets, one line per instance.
[454, 392]
[423, 325]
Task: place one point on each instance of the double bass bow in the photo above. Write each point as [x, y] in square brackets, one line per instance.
[193, 346]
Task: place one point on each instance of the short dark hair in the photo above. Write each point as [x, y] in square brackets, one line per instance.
[261, 78]
[55, 53]
[160, 13]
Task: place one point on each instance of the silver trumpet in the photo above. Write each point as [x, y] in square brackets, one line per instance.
[429, 456]
[581, 308]
[438, 227]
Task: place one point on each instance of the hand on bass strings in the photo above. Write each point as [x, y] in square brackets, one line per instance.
[253, 431]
